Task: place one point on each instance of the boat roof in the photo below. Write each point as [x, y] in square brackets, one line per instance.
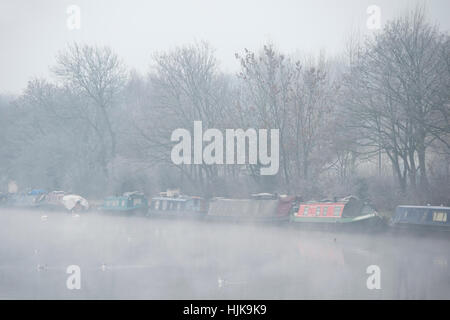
[133, 193]
[425, 207]
[263, 196]
[179, 199]
[316, 203]
[341, 201]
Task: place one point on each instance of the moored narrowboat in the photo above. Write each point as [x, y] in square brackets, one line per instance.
[53, 201]
[260, 208]
[180, 206]
[348, 212]
[425, 218]
[127, 204]
[29, 200]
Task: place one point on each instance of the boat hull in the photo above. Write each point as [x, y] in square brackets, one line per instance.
[124, 212]
[362, 223]
[176, 214]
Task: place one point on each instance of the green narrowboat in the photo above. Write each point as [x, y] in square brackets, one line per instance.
[126, 204]
[181, 206]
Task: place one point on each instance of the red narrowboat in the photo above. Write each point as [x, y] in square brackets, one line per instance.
[348, 211]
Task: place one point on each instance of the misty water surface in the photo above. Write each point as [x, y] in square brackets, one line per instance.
[143, 258]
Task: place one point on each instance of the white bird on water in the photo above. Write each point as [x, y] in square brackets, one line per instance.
[221, 282]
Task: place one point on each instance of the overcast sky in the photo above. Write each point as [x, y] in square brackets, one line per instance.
[32, 32]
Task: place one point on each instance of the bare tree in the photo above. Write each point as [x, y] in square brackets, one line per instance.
[97, 74]
[394, 91]
[268, 79]
[294, 98]
[185, 85]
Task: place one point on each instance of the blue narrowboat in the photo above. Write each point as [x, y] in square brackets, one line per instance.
[128, 203]
[28, 200]
[422, 218]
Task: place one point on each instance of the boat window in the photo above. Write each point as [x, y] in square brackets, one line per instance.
[325, 210]
[164, 205]
[318, 211]
[305, 211]
[337, 211]
[440, 216]
[137, 201]
[156, 205]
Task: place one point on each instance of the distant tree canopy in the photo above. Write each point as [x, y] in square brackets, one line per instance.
[375, 125]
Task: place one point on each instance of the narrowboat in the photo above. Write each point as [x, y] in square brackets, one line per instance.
[127, 204]
[348, 212]
[179, 206]
[261, 207]
[425, 218]
[53, 201]
[29, 200]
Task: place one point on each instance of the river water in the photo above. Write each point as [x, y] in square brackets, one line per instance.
[143, 258]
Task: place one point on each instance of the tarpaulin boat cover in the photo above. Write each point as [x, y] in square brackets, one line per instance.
[36, 192]
[246, 208]
[71, 200]
[353, 206]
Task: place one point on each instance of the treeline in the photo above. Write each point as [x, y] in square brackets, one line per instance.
[372, 122]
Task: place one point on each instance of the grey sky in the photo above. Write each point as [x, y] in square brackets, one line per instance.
[32, 32]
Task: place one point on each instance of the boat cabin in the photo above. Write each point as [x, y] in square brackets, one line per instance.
[128, 202]
[181, 205]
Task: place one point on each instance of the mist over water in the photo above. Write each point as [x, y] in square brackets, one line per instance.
[142, 258]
